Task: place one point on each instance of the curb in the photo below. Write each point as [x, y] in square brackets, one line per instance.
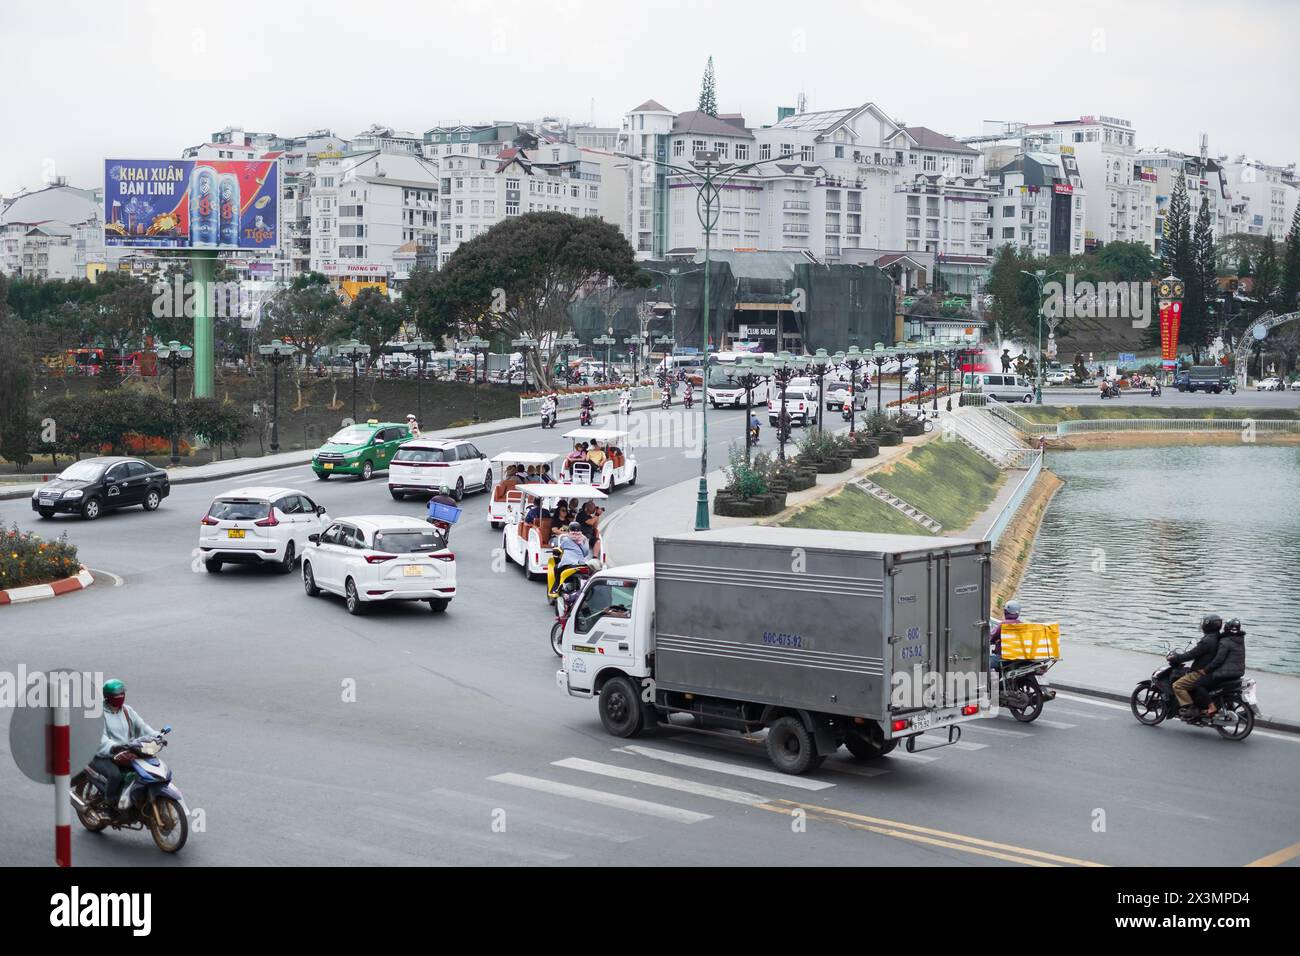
[1281, 725]
[39, 592]
[251, 469]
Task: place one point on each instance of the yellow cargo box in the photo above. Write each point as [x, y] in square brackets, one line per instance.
[1030, 641]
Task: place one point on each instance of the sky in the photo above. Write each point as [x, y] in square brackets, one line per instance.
[83, 81]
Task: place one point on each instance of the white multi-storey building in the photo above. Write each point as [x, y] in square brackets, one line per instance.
[54, 233]
[1040, 205]
[366, 206]
[1157, 172]
[1104, 147]
[1266, 195]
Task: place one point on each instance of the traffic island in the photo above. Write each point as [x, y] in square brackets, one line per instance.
[38, 592]
[32, 568]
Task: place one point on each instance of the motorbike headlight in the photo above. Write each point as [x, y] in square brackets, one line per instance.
[74, 493]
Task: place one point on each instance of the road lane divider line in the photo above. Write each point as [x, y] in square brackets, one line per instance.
[954, 840]
[979, 726]
[1095, 702]
[618, 802]
[1075, 713]
[1279, 857]
[718, 766]
[659, 780]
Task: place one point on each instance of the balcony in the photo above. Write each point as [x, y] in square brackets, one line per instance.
[795, 205]
[794, 228]
[932, 233]
[855, 207]
[914, 233]
[832, 206]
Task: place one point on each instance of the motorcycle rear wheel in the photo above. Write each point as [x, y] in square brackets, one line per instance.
[175, 828]
[1148, 704]
[1034, 693]
[1240, 729]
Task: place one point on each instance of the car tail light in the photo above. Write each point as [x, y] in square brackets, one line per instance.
[899, 725]
[270, 521]
[379, 558]
[970, 709]
[448, 556]
[208, 520]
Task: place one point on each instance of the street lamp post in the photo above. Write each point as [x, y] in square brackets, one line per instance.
[666, 343]
[878, 355]
[354, 352]
[747, 373]
[1039, 276]
[854, 359]
[821, 364]
[277, 353]
[934, 357]
[712, 175]
[566, 343]
[608, 341]
[421, 350]
[633, 343]
[783, 371]
[474, 343]
[174, 355]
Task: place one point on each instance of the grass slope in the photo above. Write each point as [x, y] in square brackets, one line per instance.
[1050, 414]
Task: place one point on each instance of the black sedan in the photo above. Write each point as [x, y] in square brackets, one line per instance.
[93, 485]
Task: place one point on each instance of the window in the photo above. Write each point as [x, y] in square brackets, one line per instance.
[806, 154]
[911, 159]
[698, 146]
[967, 166]
[839, 152]
[742, 151]
[460, 207]
[931, 164]
[489, 207]
[720, 147]
[607, 599]
[512, 184]
[679, 147]
[786, 149]
[512, 209]
[1008, 212]
[765, 151]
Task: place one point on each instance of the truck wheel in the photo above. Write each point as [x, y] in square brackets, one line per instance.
[620, 708]
[866, 749]
[790, 747]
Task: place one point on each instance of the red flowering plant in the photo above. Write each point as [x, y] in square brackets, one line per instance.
[27, 558]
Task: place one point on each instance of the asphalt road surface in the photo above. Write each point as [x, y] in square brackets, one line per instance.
[459, 748]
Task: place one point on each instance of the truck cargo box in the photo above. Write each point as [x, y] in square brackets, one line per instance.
[822, 620]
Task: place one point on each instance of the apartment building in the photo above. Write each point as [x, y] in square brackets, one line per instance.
[1266, 196]
[56, 232]
[1158, 171]
[1040, 204]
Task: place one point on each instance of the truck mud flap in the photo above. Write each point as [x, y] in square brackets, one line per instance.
[954, 735]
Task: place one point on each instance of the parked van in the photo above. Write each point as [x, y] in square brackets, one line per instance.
[999, 387]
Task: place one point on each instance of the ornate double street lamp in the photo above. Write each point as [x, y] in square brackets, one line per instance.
[666, 344]
[277, 353]
[354, 352]
[566, 343]
[608, 341]
[633, 343]
[174, 355]
[822, 362]
[421, 350]
[853, 360]
[1039, 276]
[746, 374]
[523, 344]
[879, 355]
[784, 369]
[476, 344]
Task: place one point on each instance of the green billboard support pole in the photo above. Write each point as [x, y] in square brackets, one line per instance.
[204, 262]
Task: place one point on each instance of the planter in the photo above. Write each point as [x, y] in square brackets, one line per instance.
[773, 504]
[778, 486]
[912, 429]
[891, 437]
[801, 481]
[832, 466]
[871, 449]
[729, 506]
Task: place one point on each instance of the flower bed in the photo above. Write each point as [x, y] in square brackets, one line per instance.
[27, 558]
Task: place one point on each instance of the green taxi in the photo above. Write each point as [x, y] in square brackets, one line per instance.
[361, 449]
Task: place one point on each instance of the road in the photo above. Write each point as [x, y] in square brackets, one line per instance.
[460, 750]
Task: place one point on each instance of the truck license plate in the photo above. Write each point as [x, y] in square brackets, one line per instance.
[923, 721]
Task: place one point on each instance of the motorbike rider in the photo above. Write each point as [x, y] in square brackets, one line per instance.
[413, 425]
[1010, 612]
[753, 427]
[625, 401]
[688, 395]
[588, 407]
[121, 725]
[1201, 655]
[574, 547]
[1227, 666]
[443, 498]
[550, 404]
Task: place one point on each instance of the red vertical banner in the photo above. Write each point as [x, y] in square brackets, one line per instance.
[1171, 314]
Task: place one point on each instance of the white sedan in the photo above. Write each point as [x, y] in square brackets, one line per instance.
[372, 558]
[1271, 385]
[258, 525]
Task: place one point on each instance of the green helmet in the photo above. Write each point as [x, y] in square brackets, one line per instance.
[114, 688]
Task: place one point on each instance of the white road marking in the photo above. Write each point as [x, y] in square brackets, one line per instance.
[979, 727]
[967, 745]
[717, 766]
[1095, 702]
[645, 807]
[1054, 724]
[117, 580]
[899, 752]
[1289, 738]
[1080, 714]
[659, 780]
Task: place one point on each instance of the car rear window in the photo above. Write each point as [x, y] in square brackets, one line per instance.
[425, 454]
[409, 541]
[239, 509]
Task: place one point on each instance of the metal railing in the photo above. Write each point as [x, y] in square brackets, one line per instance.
[1009, 510]
[1016, 420]
[1177, 425]
[529, 407]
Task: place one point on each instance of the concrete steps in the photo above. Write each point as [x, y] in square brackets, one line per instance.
[898, 504]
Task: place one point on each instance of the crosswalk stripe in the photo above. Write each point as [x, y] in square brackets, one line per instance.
[717, 766]
[659, 780]
[980, 727]
[967, 745]
[1055, 724]
[1109, 705]
[645, 807]
[917, 758]
[1075, 713]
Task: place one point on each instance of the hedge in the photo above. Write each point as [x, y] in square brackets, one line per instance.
[29, 559]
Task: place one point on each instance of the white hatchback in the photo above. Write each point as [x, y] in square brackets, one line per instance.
[380, 558]
[258, 525]
[423, 466]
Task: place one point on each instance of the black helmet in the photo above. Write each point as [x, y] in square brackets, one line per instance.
[1233, 626]
[1211, 624]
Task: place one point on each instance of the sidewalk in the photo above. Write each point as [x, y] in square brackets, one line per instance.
[1090, 669]
[231, 467]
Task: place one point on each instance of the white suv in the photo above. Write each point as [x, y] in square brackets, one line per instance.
[380, 558]
[801, 405]
[422, 466]
[258, 526]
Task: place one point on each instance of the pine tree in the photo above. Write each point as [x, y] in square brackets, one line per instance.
[1243, 267]
[1266, 275]
[1175, 251]
[708, 92]
[1202, 285]
[1289, 288]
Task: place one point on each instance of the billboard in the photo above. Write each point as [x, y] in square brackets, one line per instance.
[192, 204]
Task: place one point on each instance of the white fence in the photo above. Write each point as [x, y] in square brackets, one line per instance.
[1009, 510]
[571, 400]
[1177, 425]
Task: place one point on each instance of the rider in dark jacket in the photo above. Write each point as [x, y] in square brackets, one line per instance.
[1200, 656]
[1228, 665]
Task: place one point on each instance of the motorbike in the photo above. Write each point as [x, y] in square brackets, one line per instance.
[563, 608]
[548, 419]
[149, 799]
[1155, 391]
[624, 406]
[1019, 690]
[753, 434]
[1153, 702]
[561, 583]
[667, 400]
[584, 417]
[1110, 391]
[847, 412]
[688, 399]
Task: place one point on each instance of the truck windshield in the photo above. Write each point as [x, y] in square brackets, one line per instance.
[607, 598]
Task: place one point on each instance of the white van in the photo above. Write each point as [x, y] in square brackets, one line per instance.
[999, 387]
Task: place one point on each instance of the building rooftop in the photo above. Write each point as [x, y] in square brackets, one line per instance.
[819, 121]
[651, 106]
[62, 203]
[927, 138]
[694, 121]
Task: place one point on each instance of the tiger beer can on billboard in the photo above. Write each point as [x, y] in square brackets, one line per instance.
[228, 209]
[204, 214]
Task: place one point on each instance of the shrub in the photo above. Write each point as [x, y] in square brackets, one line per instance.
[743, 480]
[27, 558]
[875, 421]
[218, 422]
[815, 445]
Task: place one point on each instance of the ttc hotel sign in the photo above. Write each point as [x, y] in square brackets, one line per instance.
[1170, 294]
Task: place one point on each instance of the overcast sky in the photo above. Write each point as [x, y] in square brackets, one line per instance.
[81, 81]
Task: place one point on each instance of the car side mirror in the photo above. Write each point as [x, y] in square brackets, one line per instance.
[313, 538]
[320, 510]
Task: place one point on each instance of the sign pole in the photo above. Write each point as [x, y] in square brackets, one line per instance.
[61, 769]
[204, 262]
